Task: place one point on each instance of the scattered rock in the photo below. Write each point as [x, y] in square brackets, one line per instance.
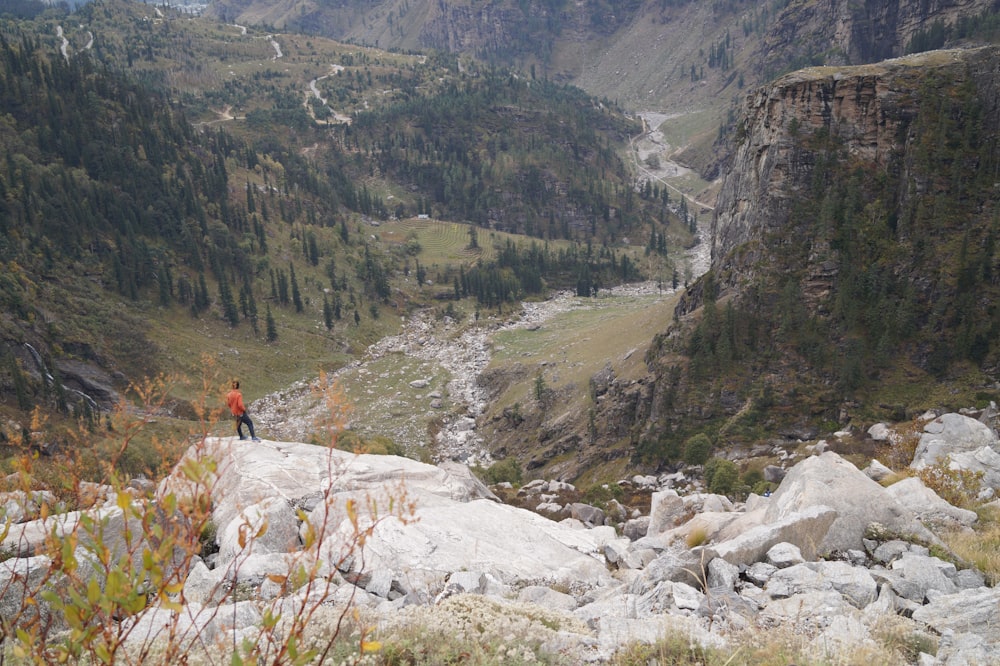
[877, 472]
[759, 564]
[949, 434]
[783, 555]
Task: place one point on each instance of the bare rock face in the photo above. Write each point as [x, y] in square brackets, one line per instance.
[850, 33]
[867, 110]
[457, 523]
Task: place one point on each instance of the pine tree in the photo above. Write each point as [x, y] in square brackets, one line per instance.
[282, 287]
[24, 402]
[166, 288]
[248, 306]
[327, 313]
[296, 296]
[272, 328]
[331, 273]
[201, 299]
[313, 249]
[258, 229]
[229, 310]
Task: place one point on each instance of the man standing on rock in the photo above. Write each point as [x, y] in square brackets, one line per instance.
[235, 401]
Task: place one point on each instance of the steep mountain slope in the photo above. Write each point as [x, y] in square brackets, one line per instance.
[854, 267]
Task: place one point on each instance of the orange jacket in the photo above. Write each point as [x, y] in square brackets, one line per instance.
[235, 401]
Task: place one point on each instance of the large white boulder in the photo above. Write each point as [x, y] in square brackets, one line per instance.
[805, 529]
[425, 522]
[948, 434]
[829, 480]
[928, 506]
[668, 509]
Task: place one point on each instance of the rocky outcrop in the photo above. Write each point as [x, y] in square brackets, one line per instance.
[948, 435]
[455, 526]
[831, 554]
[865, 109]
[852, 33]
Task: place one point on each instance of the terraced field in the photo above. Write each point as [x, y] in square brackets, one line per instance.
[441, 243]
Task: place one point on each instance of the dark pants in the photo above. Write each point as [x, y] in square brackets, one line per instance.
[240, 420]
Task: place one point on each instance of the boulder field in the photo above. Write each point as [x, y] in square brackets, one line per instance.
[831, 554]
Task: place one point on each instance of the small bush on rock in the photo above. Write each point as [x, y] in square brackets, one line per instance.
[958, 487]
[469, 628]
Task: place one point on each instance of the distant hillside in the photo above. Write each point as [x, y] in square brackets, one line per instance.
[691, 59]
[173, 186]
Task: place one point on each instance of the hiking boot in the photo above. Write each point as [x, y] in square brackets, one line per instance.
[256, 439]
[242, 438]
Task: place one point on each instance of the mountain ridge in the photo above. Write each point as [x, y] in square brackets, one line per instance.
[833, 297]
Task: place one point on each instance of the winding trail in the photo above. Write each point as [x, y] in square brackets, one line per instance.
[668, 168]
[315, 92]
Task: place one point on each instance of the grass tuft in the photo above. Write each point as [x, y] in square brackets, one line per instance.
[982, 546]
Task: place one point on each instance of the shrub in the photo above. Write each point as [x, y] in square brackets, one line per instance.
[754, 479]
[697, 449]
[955, 486]
[378, 445]
[696, 537]
[507, 470]
[721, 476]
[600, 494]
[475, 629]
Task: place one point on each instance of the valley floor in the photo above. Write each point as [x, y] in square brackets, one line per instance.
[420, 388]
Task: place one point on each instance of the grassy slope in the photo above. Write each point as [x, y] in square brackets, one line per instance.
[568, 350]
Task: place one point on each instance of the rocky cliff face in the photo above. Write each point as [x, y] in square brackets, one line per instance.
[851, 33]
[868, 112]
[853, 254]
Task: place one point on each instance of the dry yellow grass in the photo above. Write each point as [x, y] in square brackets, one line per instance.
[981, 547]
